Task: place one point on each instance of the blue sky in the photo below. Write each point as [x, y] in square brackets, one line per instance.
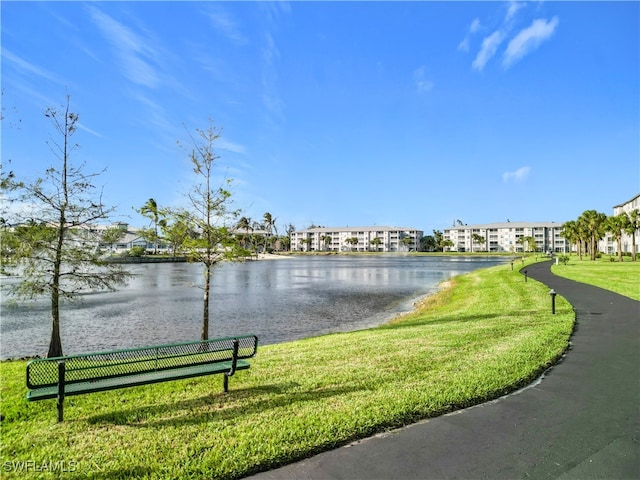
[338, 113]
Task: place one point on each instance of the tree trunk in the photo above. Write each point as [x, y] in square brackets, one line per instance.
[55, 345]
[205, 315]
[620, 247]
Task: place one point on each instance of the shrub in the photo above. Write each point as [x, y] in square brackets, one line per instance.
[136, 251]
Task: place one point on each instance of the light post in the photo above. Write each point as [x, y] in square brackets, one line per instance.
[525, 276]
[553, 294]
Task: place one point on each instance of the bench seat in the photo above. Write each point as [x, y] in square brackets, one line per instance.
[56, 378]
[44, 393]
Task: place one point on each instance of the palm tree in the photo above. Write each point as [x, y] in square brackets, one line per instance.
[269, 225]
[595, 225]
[376, 242]
[150, 210]
[527, 243]
[632, 227]
[244, 224]
[351, 241]
[476, 238]
[570, 233]
[616, 226]
[326, 240]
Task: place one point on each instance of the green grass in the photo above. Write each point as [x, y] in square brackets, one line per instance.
[621, 277]
[485, 334]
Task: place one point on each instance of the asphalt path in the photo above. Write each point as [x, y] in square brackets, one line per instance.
[581, 420]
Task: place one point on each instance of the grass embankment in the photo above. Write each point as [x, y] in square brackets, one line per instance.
[487, 333]
[606, 272]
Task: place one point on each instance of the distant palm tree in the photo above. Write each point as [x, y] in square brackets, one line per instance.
[570, 233]
[244, 224]
[351, 241]
[150, 210]
[376, 242]
[270, 226]
[616, 226]
[326, 240]
[595, 225]
[633, 225]
[476, 238]
[528, 243]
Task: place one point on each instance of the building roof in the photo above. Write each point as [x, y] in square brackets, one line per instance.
[375, 228]
[502, 225]
[628, 201]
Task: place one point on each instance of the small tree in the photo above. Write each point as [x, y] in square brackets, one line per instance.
[406, 242]
[57, 249]
[447, 243]
[176, 230]
[209, 214]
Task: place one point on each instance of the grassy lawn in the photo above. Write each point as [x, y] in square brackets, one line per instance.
[485, 334]
[621, 277]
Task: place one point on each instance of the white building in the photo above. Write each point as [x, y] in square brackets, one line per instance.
[505, 237]
[356, 239]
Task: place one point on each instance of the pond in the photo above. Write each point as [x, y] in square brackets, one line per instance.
[278, 300]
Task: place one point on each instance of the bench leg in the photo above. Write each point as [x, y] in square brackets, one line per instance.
[61, 383]
[60, 407]
[225, 383]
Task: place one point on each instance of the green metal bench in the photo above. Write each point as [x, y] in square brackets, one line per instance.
[58, 377]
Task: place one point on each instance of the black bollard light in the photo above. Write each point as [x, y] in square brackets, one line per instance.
[525, 276]
[553, 294]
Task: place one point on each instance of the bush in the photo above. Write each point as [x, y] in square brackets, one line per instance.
[136, 252]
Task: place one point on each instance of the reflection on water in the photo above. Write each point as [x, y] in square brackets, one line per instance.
[277, 300]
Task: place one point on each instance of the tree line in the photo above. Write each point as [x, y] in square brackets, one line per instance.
[171, 229]
[591, 226]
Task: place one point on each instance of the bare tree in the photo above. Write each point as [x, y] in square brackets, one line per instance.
[55, 246]
[209, 214]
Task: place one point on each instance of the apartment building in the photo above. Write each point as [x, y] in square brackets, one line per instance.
[505, 237]
[356, 239]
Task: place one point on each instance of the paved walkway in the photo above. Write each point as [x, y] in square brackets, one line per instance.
[581, 421]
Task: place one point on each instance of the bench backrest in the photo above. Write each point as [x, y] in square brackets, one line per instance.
[43, 372]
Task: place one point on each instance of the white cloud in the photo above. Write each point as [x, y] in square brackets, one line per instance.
[489, 47]
[463, 46]
[88, 130]
[513, 9]
[475, 25]
[517, 176]
[230, 146]
[528, 40]
[134, 51]
[223, 23]
[27, 67]
[423, 84]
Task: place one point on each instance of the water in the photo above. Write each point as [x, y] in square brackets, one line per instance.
[278, 300]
